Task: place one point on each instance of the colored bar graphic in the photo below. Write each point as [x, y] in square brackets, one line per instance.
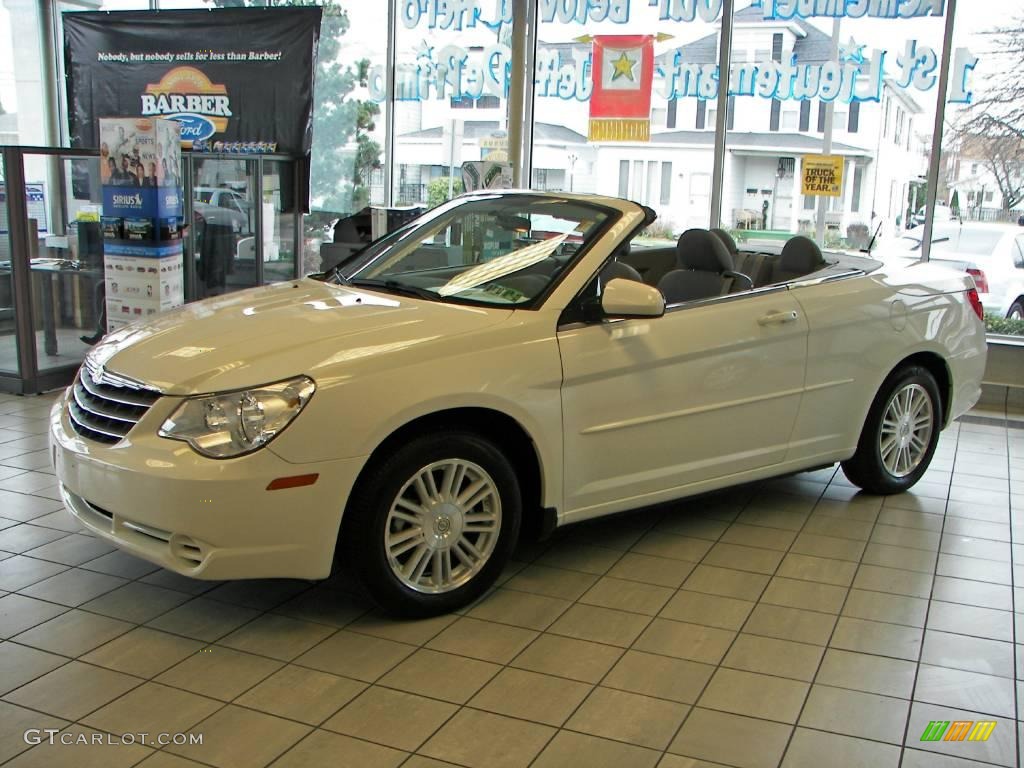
[958, 730]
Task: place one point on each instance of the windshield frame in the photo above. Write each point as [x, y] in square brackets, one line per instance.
[348, 271]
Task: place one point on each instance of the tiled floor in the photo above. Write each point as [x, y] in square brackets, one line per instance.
[795, 623]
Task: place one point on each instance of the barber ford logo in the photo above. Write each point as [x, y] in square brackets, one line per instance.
[185, 94]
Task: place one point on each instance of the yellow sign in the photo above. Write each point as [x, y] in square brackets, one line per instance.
[822, 175]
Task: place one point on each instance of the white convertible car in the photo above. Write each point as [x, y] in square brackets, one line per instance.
[509, 359]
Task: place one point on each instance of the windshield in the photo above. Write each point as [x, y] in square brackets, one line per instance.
[970, 241]
[500, 250]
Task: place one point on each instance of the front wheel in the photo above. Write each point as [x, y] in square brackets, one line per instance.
[899, 435]
[431, 525]
[1016, 310]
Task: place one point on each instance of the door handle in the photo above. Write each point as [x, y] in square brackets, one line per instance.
[778, 318]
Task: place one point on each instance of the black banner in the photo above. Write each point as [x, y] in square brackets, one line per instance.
[238, 79]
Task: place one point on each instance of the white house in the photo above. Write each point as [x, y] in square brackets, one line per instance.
[672, 172]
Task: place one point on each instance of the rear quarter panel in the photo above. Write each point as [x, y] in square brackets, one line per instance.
[861, 328]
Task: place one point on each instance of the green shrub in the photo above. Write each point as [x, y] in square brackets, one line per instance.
[437, 190]
[1003, 325]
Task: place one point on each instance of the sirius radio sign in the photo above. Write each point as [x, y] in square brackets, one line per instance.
[187, 96]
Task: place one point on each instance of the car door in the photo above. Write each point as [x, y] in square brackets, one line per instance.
[649, 406]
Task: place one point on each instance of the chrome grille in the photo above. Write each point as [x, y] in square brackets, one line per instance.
[104, 406]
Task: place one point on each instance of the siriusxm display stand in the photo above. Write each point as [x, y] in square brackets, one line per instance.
[142, 217]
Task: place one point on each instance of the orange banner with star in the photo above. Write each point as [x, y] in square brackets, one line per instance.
[623, 73]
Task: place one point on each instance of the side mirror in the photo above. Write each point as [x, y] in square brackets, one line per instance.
[628, 298]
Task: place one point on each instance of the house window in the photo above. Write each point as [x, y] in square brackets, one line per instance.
[790, 119]
[821, 116]
[730, 117]
[858, 182]
[805, 116]
[623, 178]
[808, 203]
[702, 114]
[854, 123]
[666, 183]
[974, 169]
[670, 117]
[773, 121]
[777, 46]
[637, 186]
[900, 118]
[885, 118]
[989, 196]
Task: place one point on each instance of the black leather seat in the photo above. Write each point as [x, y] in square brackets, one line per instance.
[800, 256]
[705, 269]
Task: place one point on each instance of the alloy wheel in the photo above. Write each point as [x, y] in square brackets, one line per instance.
[443, 526]
[906, 430]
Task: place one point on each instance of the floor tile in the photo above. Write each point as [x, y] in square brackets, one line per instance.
[552, 582]
[817, 569]
[279, 637]
[73, 633]
[878, 606]
[135, 602]
[790, 624]
[662, 677]
[813, 749]
[965, 690]
[228, 741]
[974, 654]
[867, 672]
[351, 654]
[323, 748]
[219, 673]
[894, 580]
[649, 569]
[72, 550]
[726, 582]
[483, 640]
[979, 593]
[579, 557]
[711, 610]
[20, 664]
[73, 690]
[624, 595]
[602, 625]
[567, 657]
[685, 641]
[531, 696]
[440, 676]
[73, 587]
[393, 718]
[23, 537]
[771, 656]
[18, 613]
[143, 652]
[668, 545]
[569, 748]
[854, 713]
[971, 620]
[15, 721]
[297, 693]
[202, 619]
[754, 695]
[628, 717]
[892, 640]
[153, 708]
[520, 609]
[750, 743]
[19, 572]
[743, 558]
[408, 631]
[484, 740]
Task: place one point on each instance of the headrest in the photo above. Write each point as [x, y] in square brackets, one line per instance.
[801, 255]
[726, 238]
[698, 249]
[616, 269]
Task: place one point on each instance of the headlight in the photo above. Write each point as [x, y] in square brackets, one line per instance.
[234, 423]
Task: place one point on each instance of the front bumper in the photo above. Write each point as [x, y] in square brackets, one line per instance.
[204, 518]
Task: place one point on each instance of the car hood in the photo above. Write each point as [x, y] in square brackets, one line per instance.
[267, 334]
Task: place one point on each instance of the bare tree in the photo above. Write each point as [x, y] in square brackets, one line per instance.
[991, 131]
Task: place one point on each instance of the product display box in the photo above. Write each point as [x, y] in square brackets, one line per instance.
[142, 217]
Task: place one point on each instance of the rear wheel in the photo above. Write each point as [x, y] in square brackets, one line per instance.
[899, 435]
[432, 524]
[1016, 310]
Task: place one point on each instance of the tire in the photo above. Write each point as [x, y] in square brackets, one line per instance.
[433, 564]
[1016, 310]
[904, 459]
